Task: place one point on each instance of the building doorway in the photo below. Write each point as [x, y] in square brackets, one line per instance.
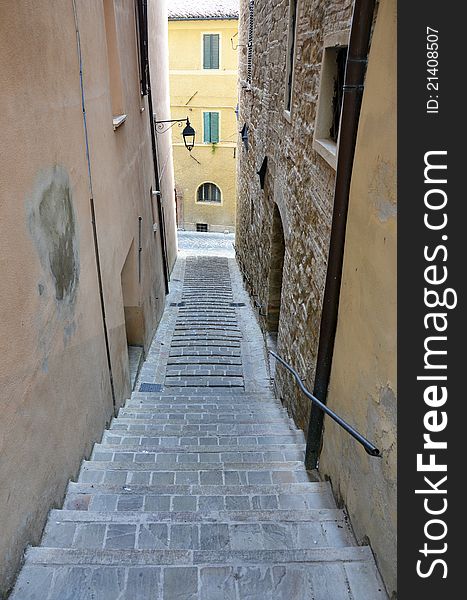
[134, 322]
[276, 267]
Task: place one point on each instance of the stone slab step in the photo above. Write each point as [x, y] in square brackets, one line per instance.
[205, 406]
[203, 396]
[192, 323]
[76, 557]
[213, 351]
[210, 371]
[208, 516]
[153, 535]
[193, 498]
[122, 425]
[203, 475]
[263, 395]
[226, 343]
[330, 580]
[191, 456]
[147, 419]
[204, 438]
[272, 451]
[234, 489]
[220, 360]
[166, 461]
[191, 403]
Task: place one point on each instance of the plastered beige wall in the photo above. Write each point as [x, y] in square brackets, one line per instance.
[363, 379]
[55, 396]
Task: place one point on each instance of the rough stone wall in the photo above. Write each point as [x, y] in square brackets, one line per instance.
[298, 180]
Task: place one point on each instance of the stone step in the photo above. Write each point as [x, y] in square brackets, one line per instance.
[143, 418]
[190, 360]
[207, 438]
[155, 498]
[207, 409]
[153, 416]
[206, 314]
[203, 371]
[122, 426]
[192, 325]
[322, 515]
[192, 403]
[193, 457]
[212, 381]
[192, 473]
[213, 351]
[316, 574]
[198, 404]
[272, 451]
[174, 473]
[191, 442]
[240, 396]
[138, 533]
[225, 343]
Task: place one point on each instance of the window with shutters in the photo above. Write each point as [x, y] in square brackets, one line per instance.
[249, 59]
[209, 193]
[211, 127]
[290, 54]
[211, 44]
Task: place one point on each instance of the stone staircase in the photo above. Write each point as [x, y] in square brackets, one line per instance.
[198, 491]
[199, 497]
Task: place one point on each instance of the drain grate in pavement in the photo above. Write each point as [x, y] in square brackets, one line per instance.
[151, 387]
[237, 304]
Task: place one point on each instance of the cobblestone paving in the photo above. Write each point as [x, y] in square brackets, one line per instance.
[198, 491]
[193, 243]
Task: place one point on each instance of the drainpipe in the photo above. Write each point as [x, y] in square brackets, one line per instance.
[154, 158]
[93, 213]
[357, 58]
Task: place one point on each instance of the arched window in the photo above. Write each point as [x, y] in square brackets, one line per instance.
[209, 192]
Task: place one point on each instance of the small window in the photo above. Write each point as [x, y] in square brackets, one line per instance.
[211, 127]
[142, 44]
[249, 59]
[338, 95]
[209, 192]
[290, 54]
[331, 94]
[202, 227]
[211, 51]
[113, 57]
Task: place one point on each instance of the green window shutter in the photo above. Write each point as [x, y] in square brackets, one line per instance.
[214, 127]
[207, 52]
[207, 127]
[211, 51]
[214, 51]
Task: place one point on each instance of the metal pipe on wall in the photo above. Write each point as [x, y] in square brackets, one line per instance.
[143, 8]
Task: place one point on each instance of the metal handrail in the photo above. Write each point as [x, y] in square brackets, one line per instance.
[370, 448]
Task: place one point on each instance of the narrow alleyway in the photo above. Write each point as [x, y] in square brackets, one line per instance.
[198, 490]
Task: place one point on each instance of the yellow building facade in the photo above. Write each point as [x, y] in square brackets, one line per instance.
[203, 88]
